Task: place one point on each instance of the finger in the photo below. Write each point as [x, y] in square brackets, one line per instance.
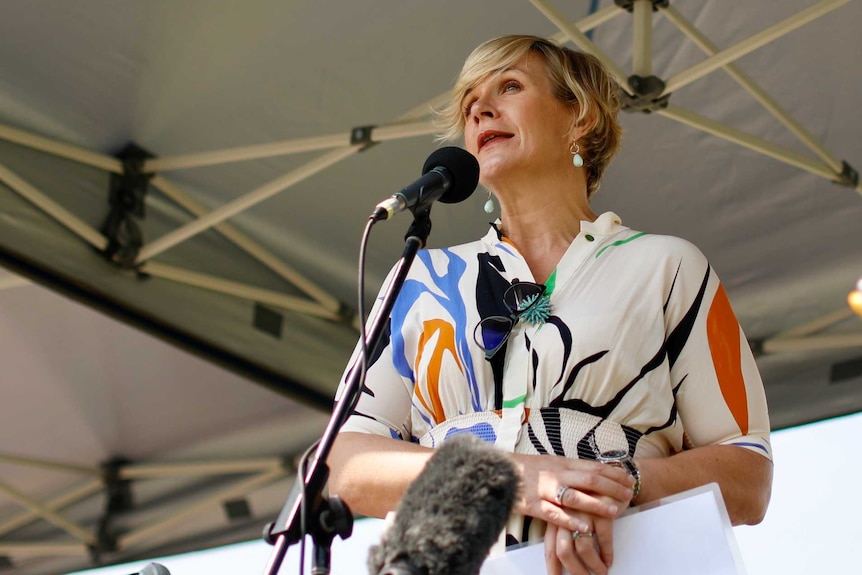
[552, 563]
[567, 554]
[578, 500]
[561, 517]
[595, 484]
[614, 472]
[604, 535]
[587, 549]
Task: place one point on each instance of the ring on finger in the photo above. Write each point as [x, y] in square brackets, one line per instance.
[561, 490]
[578, 534]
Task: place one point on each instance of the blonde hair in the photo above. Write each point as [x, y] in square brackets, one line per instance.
[578, 79]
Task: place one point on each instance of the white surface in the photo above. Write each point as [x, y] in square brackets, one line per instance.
[688, 533]
[810, 526]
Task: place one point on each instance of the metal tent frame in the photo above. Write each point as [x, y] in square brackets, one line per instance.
[644, 92]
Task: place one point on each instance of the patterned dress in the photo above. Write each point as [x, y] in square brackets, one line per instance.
[641, 352]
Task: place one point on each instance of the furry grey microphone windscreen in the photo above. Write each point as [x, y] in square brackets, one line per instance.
[451, 514]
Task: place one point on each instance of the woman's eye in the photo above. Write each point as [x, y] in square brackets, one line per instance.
[511, 86]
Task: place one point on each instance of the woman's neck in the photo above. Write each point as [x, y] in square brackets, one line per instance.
[542, 221]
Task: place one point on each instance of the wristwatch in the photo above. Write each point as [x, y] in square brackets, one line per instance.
[621, 458]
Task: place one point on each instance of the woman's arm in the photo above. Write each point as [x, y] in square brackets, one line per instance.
[745, 478]
[372, 472]
[719, 396]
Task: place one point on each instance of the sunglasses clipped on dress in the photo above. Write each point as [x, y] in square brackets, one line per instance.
[521, 299]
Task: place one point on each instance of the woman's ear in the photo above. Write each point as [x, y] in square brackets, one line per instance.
[586, 124]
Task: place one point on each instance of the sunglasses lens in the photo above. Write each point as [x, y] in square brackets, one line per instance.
[492, 332]
[521, 295]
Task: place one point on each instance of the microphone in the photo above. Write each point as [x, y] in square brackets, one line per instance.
[450, 174]
[153, 569]
[451, 514]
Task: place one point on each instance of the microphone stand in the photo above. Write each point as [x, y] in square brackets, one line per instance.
[325, 518]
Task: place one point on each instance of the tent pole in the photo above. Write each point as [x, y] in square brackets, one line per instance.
[43, 549]
[251, 247]
[55, 504]
[247, 153]
[821, 342]
[50, 465]
[252, 198]
[48, 514]
[13, 281]
[748, 141]
[642, 38]
[139, 535]
[816, 325]
[580, 40]
[237, 289]
[398, 131]
[759, 94]
[53, 209]
[592, 21]
[282, 148]
[227, 467]
[60, 149]
[750, 44]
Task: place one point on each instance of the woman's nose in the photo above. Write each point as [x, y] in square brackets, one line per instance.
[482, 108]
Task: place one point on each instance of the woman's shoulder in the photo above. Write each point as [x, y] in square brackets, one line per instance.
[651, 247]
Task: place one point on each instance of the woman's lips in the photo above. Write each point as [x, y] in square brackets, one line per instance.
[489, 136]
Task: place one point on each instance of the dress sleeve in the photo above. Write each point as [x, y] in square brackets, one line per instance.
[385, 403]
[719, 393]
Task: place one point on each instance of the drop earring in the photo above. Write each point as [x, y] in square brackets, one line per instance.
[577, 159]
[489, 204]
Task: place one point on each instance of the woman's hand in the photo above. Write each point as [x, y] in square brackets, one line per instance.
[580, 552]
[593, 489]
[574, 496]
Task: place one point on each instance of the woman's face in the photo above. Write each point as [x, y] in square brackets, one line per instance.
[516, 126]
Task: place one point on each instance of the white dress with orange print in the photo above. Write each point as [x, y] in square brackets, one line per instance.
[641, 352]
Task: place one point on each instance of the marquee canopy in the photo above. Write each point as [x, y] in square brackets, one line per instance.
[201, 171]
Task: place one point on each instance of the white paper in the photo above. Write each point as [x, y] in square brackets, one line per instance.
[680, 535]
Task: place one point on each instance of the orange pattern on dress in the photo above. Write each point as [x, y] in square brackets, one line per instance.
[445, 333]
[722, 332]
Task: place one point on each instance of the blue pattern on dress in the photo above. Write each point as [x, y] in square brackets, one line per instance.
[484, 431]
[503, 247]
[451, 300]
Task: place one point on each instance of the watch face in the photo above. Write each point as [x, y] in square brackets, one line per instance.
[614, 455]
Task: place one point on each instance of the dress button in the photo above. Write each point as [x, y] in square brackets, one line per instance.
[589, 238]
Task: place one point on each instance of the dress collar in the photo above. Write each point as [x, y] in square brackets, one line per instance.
[606, 224]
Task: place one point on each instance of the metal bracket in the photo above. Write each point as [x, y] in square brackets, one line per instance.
[647, 95]
[361, 135]
[756, 346]
[629, 5]
[848, 177]
[126, 200]
[119, 499]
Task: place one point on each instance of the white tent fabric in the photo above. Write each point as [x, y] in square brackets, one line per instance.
[256, 197]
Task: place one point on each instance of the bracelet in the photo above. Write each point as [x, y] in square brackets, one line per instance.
[636, 473]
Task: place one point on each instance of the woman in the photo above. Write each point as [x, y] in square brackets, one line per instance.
[561, 336]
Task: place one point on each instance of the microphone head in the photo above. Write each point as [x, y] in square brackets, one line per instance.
[154, 569]
[463, 169]
[451, 514]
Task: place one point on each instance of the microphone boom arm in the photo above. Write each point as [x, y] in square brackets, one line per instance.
[285, 531]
